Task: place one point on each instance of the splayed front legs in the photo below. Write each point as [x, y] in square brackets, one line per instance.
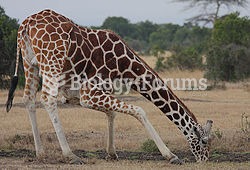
[98, 100]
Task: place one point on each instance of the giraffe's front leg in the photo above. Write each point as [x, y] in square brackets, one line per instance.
[92, 98]
[140, 115]
[50, 103]
[110, 143]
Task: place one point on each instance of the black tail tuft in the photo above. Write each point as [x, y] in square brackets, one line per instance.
[13, 86]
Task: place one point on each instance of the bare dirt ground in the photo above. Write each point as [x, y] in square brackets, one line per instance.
[86, 131]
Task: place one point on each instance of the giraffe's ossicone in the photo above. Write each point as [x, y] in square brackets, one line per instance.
[83, 64]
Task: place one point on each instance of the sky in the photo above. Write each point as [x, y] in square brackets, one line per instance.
[94, 12]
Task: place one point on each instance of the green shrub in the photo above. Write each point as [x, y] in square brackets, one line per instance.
[149, 146]
[185, 59]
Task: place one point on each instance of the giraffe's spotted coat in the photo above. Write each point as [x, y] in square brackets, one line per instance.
[52, 45]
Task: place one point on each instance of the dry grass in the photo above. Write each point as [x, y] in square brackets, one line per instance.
[123, 165]
[86, 129]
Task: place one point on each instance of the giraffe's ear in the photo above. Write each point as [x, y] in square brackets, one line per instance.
[208, 126]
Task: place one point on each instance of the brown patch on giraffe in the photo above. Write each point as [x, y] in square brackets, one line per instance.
[113, 37]
[38, 17]
[93, 39]
[51, 46]
[39, 43]
[154, 95]
[102, 36]
[33, 22]
[59, 30]
[159, 103]
[45, 13]
[129, 75]
[102, 97]
[79, 39]
[54, 13]
[38, 57]
[33, 32]
[66, 26]
[45, 52]
[64, 36]
[106, 105]
[84, 34]
[62, 19]
[97, 57]
[49, 28]
[77, 56]
[181, 111]
[47, 68]
[108, 56]
[28, 80]
[55, 18]
[163, 93]
[60, 48]
[71, 49]
[174, 106]
[111, 63]
[119, 49]
[90, 69]
[129, 53]
[94, 99]
[46, 37]
[80, 66]
[176, 116]
[36, 50]
[100, 103]
[55, 25]
[45, 45]
[113, 74]
[108, 45]
[34, 42]
[55, 37]
[138, 68]
[104, 72]
[48, 19]
[86, 50]
[123, 64]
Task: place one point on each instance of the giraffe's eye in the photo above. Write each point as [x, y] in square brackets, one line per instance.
[204, 142]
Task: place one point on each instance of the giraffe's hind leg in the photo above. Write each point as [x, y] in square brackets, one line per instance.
[29, 99]
[98, 100]
[49, 100]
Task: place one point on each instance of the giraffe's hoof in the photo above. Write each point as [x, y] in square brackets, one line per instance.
[112, 157]
[73, 159]
[176, 161]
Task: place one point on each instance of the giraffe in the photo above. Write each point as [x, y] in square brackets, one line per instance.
[55, 48]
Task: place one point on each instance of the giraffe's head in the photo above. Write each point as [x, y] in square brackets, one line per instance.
[200, 140]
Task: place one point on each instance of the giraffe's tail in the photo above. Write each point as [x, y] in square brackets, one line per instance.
[13, 83]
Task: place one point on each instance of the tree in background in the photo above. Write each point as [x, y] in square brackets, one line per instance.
[228, 56]
[210, 9]
[8, 34]
[119, 25]
[186, 59]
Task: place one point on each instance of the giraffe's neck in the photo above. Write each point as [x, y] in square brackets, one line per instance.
[152, 87]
